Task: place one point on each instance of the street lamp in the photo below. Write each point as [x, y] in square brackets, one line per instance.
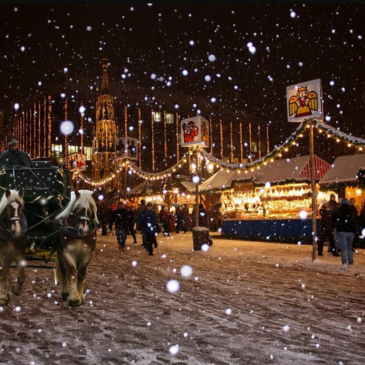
[196, 181]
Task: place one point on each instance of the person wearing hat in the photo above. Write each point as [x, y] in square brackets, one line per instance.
[148, 225]
[14, 156]
[347, 226]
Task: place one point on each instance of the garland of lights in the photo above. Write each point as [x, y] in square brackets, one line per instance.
[270, 157]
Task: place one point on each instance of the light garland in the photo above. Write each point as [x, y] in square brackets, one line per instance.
[49, 127]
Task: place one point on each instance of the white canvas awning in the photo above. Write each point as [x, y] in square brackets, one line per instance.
[344, 169]
[279, 171]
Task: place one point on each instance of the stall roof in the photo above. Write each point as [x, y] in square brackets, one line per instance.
[280, 171]
[291, 169]
[150, 187]
[344, 169]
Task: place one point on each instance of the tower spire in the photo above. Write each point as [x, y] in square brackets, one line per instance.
[105, 83]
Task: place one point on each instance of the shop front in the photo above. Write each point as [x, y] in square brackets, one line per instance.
[273, 203]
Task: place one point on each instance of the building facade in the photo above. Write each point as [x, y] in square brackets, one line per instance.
[100, 114]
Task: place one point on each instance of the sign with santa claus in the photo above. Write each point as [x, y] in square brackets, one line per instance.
[194, 131]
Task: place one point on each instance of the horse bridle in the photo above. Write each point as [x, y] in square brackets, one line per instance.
[5, 225]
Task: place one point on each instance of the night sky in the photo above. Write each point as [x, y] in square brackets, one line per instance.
[155, 45]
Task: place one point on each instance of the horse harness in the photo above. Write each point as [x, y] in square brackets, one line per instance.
[5, 232]
[71, 231]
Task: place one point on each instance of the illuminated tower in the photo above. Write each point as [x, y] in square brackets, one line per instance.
[105, 131]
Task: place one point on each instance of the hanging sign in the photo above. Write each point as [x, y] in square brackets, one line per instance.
[304, 101]
[77, 162]
[194, 131]
[126, 147]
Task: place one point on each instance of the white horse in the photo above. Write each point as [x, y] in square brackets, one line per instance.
[76, 245]
[13, 228]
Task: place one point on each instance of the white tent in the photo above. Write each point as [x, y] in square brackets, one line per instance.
[344, 169]
[279, 171]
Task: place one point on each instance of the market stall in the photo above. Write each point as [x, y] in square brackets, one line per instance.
[347, 177]
[273, 202]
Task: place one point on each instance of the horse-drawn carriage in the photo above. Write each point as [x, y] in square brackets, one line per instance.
[40, 220]
[46, 189]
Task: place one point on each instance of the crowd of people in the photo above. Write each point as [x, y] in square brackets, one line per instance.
[149, 221]
[340, 226]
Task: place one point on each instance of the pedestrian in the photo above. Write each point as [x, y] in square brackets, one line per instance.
[334, 246]
[203, 216]
[14, 156]
[102, 216]
[148, 226]
[325, 227]
[354, 210]
[213, 216]
[185, 217]
[346, 225]
[121, 220]
[131, 231]
[165, 219]
[179, 220]
[137, 215]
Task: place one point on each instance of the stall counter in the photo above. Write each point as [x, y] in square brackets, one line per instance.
[271, 230]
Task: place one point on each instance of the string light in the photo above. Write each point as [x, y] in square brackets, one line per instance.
[49, 127]
[250, 140]
[241, 143]
[153, 140]
[65, 136]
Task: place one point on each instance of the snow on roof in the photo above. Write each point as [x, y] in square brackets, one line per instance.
[290, 169]
[282, 170]
[344, 168]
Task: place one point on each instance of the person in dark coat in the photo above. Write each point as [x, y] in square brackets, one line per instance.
[354, 210]
[137, 215]
[203, 217]
[14, 156]
[346, 225]
[179, 220]
[333, 206]
[325, 228]
[131, 230]
[102, 216]
[121, 220]
[165, 219]
[185, 217]
[148, 225]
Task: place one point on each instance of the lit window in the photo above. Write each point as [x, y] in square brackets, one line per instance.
[169, 118]
[157, 117]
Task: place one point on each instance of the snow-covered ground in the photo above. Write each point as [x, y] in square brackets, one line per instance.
[240, 302]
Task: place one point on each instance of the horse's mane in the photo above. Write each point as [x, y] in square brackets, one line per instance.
[14, 197]
[85, 200]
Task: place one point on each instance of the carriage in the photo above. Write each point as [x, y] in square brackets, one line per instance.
[46, 189]
[39, 219]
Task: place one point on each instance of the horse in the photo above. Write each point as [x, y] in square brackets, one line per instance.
[75, 244]
[13, 229]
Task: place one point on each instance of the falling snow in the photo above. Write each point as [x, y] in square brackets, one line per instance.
[246, 303]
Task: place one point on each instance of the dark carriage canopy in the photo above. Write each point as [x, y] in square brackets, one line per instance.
[46, 190]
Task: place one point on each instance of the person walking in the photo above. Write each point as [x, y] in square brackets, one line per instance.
[179, 219]
[14, 156]
[131, 218]
[333, 206]
[121, 220]
[137, 215]
[325, 227]
[203, 216]
[356, 213]
[185, 217]
[148, 226]
[165, 220]
[346, 225]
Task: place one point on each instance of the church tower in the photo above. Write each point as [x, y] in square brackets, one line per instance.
[105, 131]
